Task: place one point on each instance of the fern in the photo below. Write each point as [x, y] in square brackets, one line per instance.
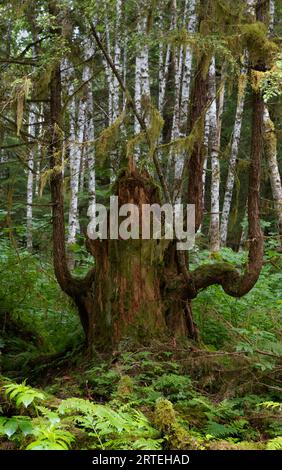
[22, 394]
[272, 405]
[51, 437]
[274, 444]
[218, 430]
[112, 428]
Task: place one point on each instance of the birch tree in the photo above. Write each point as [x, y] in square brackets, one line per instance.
[74, 166]
[187, 69]
[117, 62]
[186, 64]
[270, 139]
[271, 16]
[142, 83]
[30, 163]
[89, 134]
[273, 167]
[215, 168]
[233, 155]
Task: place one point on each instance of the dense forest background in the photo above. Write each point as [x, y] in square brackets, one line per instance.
[131, 344]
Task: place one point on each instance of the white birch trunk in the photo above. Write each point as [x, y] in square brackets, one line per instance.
[89, 137]
[271, 15]
[81, 134]
[109, 75]
[117, 62]
[124, 65]
[273, 167]
[215, 168]
[137, 93]
[187, 69]
[74, 165]
[89, 130]
[233, 156]
[251, 7]
[178, 60]
[39, 154]
[29, 198]
[163, 73]
[206, 158]
[142, 83]
[186, 65]
[206, 151]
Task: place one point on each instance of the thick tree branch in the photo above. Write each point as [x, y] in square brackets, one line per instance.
[224, 274]
[75, 288]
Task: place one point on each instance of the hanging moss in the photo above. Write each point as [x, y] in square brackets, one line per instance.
[155, 128]
[270, 137]
[256, 79]
[255, 40]
[108, 138]
[21, 91]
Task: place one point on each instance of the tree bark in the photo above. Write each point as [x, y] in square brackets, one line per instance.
[233, 156]
[29, 197]
[199, 101]
[187, 69]
[270, 140]
[215, 127]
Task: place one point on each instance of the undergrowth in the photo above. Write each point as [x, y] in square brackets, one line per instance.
[222, 394]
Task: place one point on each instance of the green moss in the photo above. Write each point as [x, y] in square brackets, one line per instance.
[177, 437]
[125, 386]
[164, 416]
[255, 39]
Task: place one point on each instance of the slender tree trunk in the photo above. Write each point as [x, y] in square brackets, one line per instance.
[215, 167]
[39, 154]
[187, 69]
[177, 57]
[30, 162]
[117, 61]
[273, 167]
[109, 75]
[206, 152]
[271, 15]
[163, 73]
[186, 64]
[199, 103]
[142, 83]
[74, 164]
[89, 137]
[233, 156]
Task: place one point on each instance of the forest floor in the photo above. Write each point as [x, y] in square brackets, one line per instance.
[224, 393]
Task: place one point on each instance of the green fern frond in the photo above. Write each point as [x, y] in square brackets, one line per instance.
[274, 444]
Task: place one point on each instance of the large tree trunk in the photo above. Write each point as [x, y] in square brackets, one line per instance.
[136, 289]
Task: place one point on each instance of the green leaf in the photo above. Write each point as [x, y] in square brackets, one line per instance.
[10, 427]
